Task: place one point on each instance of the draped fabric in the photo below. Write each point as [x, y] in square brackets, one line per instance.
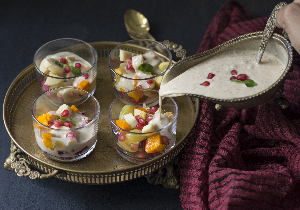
[248, 158]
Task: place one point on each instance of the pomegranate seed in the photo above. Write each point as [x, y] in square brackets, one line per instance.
[234, 72]
[165, 140]
[49, 94]
[86, 76]
[210, 76]
[65, 113]
[142, 121]
[149, 118]
[78, 65]
[129, 67]
[144, 58]
[63, 60]
[122, 136]
[130, 60]
[150, 111]
[150, 81]
[71, 135]
[72, 94]
[57, 123]
[206, 83]
[242, 77]
[50, 124]
[67, 69]
[233, 77]
[139, 126]
[137, 117]
[154, 108]
[134, 146]
[46, 87]
[68, 124]
[140, 155]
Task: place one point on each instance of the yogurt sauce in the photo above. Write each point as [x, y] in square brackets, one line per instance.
[241, 58]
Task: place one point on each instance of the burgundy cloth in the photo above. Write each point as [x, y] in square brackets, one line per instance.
[248, 158]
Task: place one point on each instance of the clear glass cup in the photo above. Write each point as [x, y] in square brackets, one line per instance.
[66, 62]
[66, 130]
[146, 134]
[131, 61]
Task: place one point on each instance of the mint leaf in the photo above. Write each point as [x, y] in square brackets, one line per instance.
[67, 119]
[75, 71]
[146, 68]
[248, 82]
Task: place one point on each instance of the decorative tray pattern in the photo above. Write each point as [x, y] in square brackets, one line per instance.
[104, 165]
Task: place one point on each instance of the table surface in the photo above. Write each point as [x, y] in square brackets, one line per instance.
[27, 25]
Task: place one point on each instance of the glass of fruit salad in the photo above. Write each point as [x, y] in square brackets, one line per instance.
[66, 130]
[138, 64]
[143, 131]
[66, 62]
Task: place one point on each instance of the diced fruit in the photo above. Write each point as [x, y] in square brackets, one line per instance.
[163, 65]
[141, 113]
[134, 146]
[125, 55]
[134, 136]
[121, 136]
[71, 135]
[158, 80]
[118, 71]
[170, 115]
[68, 124]
[84, 85]
[47, 140]
[123, 124]
[136, 95]
[54, 68]
[130, 119]
[149, 128]
[74, 108]
[154, 144]
[63, 108]
[52, 80]
[65, 113]
[125, 146]
[57, 123]
[139, 126]
[86, 76]
[58, 145]
[137, 61]
[125, 110]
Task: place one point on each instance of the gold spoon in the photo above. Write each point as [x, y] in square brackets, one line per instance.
[137, 25]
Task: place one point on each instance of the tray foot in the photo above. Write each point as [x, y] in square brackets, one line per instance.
[168, 175]
[15, 162]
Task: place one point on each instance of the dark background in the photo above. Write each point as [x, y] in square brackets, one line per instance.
[26, 25]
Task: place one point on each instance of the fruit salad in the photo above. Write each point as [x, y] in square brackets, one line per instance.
[136, 68]
[66, 132]
[143, 131]
[67, 69]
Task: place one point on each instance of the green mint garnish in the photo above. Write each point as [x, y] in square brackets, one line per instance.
[67, 119]
[75, 71]
[248, 82]
[146, 68]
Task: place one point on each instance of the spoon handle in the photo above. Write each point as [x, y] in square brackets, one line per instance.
[268, 31]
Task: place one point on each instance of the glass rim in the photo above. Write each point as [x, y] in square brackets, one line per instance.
[73, 129]
[46, 75]
[165, 127]
[135, 40]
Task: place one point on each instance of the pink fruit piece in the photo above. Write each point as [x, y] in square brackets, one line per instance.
[150, 81]
[234, 72]
[210, 76]
[139, 126]
[165, 140]
[142, 121]
[122, 136]
[149, 118]
[57, 123]
[86, 76]
[71, 135]
[68, 124]
[65, 113]
[129, 67]
[206, 83]
[242, 77]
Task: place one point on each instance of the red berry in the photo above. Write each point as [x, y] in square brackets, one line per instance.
[63, 60]
[206, 83]
[68, 124]
[149, 118]
[71, 135]
[142, 121]
[86, 76]
[57, 123]
[67, 69]
[242, 77]
[78, 65]
[122, 136]
[50, 124]
[150, 81]
[234, 72]
[137, 117]
[210, 76]
[65, 113]
[233, 77]
[129, 67]
[139, 126]
[144, 58]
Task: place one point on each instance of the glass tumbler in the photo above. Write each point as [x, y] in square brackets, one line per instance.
[66, 130]
[143, 131]
[138, 64]
[66, 62]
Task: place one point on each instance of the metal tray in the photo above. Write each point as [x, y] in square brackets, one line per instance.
[104, 165]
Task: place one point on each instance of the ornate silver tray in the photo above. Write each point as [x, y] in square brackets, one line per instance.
[104, 165]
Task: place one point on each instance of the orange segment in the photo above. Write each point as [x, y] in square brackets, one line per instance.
[136, 95]
[154, 144]
[47, 140]
[74, 108]
[84, 85]
[123, 124]
[135, 81]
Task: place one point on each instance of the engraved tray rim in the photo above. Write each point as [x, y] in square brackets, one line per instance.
[87, 177]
